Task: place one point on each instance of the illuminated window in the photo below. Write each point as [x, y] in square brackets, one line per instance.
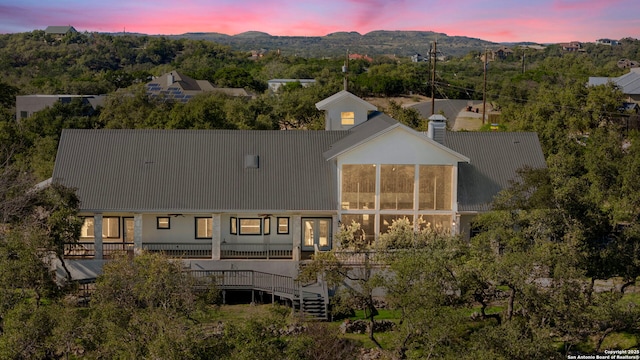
[347, 118]
[435, 187]
[110, 227]
[267, 225]
[163, 222]
[283, 225]
[436, 222]
[250, 226]
[396, 187]
[204, 227]
[358, 187]
[367, 225]
[233, 226]
[87, 228]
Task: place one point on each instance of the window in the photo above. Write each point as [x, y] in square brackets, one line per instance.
[386, 220]
[87, 228]
[435, 187]
[367, 225]
[233, 226]
[163, 222]
[283, 225]
[204, 228]
[347, 118]
[267, 225]
[436, 222]
[250, 226]
[396, 187]
[111, 227]
[358, 186]
[24, 114]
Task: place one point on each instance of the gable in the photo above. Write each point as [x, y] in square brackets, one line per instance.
[400, 145]
[344, 104]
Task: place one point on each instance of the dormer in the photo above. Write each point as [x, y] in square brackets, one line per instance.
[344, 110]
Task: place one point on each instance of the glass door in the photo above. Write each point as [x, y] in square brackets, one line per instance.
[127, 227]
[316, 232]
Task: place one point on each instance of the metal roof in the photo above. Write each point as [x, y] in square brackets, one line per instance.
[197, 170]
[339, 96]
[495, 158]
[629, 83]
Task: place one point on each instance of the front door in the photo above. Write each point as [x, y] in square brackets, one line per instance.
[316, 232]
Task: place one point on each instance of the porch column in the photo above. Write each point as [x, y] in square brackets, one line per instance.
[137, 233]
[296, 234]
[97, 235]
[335, 227]
[216, 234]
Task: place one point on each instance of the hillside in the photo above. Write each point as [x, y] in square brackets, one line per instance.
[399, 43]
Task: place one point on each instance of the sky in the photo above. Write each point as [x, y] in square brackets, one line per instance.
[541, 21]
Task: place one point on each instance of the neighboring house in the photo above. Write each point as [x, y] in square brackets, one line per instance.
[627, 64]
[571, 46]
[58, 32]
[629, 83]
[27, 105]
[265, 200]
[274, 84]
[502, 53]
[608, 42]
[179, 87]
[360, 57]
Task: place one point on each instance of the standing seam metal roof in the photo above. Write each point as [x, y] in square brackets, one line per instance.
[197, 170]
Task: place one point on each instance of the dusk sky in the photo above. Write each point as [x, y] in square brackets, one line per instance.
[543, 21]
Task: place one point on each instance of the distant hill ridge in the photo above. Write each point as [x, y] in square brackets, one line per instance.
[374, 43]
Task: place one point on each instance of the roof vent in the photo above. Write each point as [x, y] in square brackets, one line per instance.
[251, 161]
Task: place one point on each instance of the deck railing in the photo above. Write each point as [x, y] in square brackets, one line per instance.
[181, 250]
[256, 251]
[199, 250]
[279, 285]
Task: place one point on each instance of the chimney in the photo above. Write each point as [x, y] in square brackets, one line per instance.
[437, 128]
[170, 79]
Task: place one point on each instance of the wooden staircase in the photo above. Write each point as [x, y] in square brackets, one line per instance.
[310, 299]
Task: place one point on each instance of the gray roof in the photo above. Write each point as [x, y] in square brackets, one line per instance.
[59, 29]
[376, 123]
[629, 83]
[326, 103]
[495, 158]
[197, 170]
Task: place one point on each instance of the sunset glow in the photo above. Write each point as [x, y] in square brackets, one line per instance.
[543, 21]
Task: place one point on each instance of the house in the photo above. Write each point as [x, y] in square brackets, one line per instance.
[360, 57]
[181, 88]
[502, 53]
[608, 42]
[264, 200]
[274, 84]
[627, 64]
[629, 83]
[58, 32]
[27, 105]
[571, 46]
[417, 57]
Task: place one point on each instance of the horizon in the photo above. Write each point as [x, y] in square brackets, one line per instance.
[547, 21]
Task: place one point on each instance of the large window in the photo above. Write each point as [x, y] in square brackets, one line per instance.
[250, 226]
[387, 220]
[367, 225]
[110, 227]
[358, 186]
[435, 187]
[436, 222]
[396, 187]
[204, 228]
[87, 230]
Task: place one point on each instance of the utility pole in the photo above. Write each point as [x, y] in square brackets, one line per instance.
[345, 70]
[523, 55]
[433, 78]
[484, 88]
